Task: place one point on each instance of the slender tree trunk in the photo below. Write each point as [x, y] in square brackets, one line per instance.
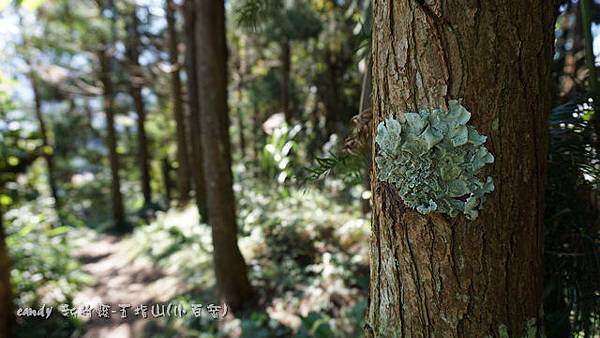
[194, 107]
[365, 108]
[332, 100]
[48, 149]
[111, 143]
[435, 276]
[136, 93]
[167, 182]
[183, 170]
[6, 304]
[286, 66]
[242, 138]
[89, 113]
[258, 137]
[230, 268]
[240, 115]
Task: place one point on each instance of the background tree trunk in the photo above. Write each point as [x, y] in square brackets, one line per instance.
[230, 268]
[137, 80]
[242, 70]
[434, 276]
[183, 170]
[167, 182]
[257, 131]
[194, 108]
[332, 98]
[45, 140]
[365, 109]
[111, 143]
[286, 66]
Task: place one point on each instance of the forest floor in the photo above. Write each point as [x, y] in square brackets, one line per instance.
[315, 285]
[119, 280]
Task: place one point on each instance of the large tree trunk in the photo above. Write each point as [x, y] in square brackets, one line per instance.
[230, 268]
[183, 170]
[111, 143]
[48, 149]
[194, 107]
[137, 81]
[6, 304]
[431, 275]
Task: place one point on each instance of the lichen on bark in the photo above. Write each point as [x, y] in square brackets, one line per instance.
[433, 157]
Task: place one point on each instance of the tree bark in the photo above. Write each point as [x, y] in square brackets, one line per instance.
[48, 149]
[136, 94]
[118, 210]
[435, 276]
[242, 69]
[365, 108]
[194, 108]
[332, 99]
[230, 268]
[167, 182]
[286, 66]
[258, 137]
[183, 170]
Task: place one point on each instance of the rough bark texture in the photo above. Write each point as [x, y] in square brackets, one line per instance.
[434, 276]
[183, 170]
[118, 210]
[230, 268]
[45, 140]
[194, 108]
[137, 81]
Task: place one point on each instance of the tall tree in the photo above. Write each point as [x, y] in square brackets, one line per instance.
[194, 107]
[183, 170]
[230, 267]
[435, 276]
[48, 149]
[135, 89]
[286, 69]
[118, 210]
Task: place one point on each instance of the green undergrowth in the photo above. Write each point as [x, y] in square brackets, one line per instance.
[43, 269]
[307, 258]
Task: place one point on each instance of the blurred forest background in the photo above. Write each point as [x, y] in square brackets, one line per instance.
[113, 172]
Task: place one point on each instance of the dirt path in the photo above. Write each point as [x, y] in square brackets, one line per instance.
[119, 280]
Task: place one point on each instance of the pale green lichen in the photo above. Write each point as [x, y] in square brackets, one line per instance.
[432, 158]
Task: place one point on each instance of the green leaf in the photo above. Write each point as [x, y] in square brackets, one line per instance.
[12, 161]
[5, 199]
[58, 231]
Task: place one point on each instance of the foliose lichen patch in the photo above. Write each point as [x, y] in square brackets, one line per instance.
[433, 158]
